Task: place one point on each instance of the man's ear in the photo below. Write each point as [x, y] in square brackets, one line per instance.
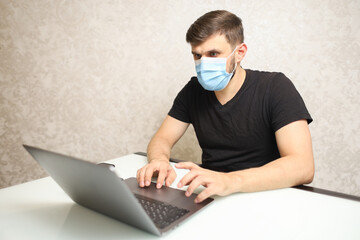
[240, 52]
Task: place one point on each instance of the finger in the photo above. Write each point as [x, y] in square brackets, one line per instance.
[148, 175]
[161, 177]
[171, 177]
[141, 176]
[193, 185]
[187, 178]
[186, 165]
[138, 176]
[207, 192]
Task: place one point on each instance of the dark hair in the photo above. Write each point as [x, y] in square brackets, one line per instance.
[216, 22]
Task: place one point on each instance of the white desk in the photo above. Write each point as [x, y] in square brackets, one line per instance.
[41, 210]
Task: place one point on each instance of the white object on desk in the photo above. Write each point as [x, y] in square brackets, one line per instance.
[127, 166]
[41, 210]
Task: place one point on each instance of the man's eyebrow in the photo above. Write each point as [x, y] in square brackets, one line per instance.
[214, 50]
[209, 51]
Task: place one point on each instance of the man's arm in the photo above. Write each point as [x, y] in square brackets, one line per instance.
[158, 153]
[294, 167]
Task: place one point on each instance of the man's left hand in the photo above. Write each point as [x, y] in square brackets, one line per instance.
[216, 183]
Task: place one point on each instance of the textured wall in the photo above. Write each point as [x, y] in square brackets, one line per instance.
[94, 79]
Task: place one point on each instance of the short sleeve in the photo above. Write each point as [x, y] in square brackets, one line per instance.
[286, 104]
[181, 104]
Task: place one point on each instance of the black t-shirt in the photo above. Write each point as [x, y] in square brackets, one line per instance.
[241, 133]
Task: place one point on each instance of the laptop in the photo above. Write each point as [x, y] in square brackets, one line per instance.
[99, 188]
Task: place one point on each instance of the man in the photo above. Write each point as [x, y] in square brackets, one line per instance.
[252, 126]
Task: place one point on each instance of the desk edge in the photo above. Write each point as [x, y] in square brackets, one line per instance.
[171, 159]
[328, 192]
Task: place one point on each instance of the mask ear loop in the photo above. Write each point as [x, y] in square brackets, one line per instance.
[233, 71]
[232, 51]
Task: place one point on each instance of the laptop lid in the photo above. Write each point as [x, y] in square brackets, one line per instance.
[94, 187]
[100, 189]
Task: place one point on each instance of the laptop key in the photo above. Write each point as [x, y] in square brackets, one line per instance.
[161, 213]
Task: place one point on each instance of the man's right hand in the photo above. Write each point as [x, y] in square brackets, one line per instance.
[162, 168]
[158, 153]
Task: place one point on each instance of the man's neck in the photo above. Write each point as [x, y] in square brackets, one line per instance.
[233, 87]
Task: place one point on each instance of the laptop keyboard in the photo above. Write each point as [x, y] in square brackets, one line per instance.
[161, 213]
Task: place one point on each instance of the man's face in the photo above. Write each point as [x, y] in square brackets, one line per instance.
[215, 46]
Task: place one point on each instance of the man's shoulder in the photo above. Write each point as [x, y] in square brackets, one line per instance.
[191, 89]
[267, 79]
[194, 81]
[193, 85]
[264, 75]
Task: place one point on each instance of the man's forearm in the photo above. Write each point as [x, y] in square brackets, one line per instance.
[158, 149]
[284, 172]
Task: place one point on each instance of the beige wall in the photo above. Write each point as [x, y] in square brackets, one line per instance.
[94, 79]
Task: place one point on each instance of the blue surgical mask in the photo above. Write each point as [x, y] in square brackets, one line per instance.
[212, 74]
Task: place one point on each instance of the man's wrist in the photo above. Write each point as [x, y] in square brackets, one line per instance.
[158, 159]
[236, 180]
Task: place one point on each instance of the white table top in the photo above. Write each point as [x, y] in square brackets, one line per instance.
[41, 210]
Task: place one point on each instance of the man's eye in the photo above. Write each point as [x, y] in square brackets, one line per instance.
[197, 56]
[213, 54]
